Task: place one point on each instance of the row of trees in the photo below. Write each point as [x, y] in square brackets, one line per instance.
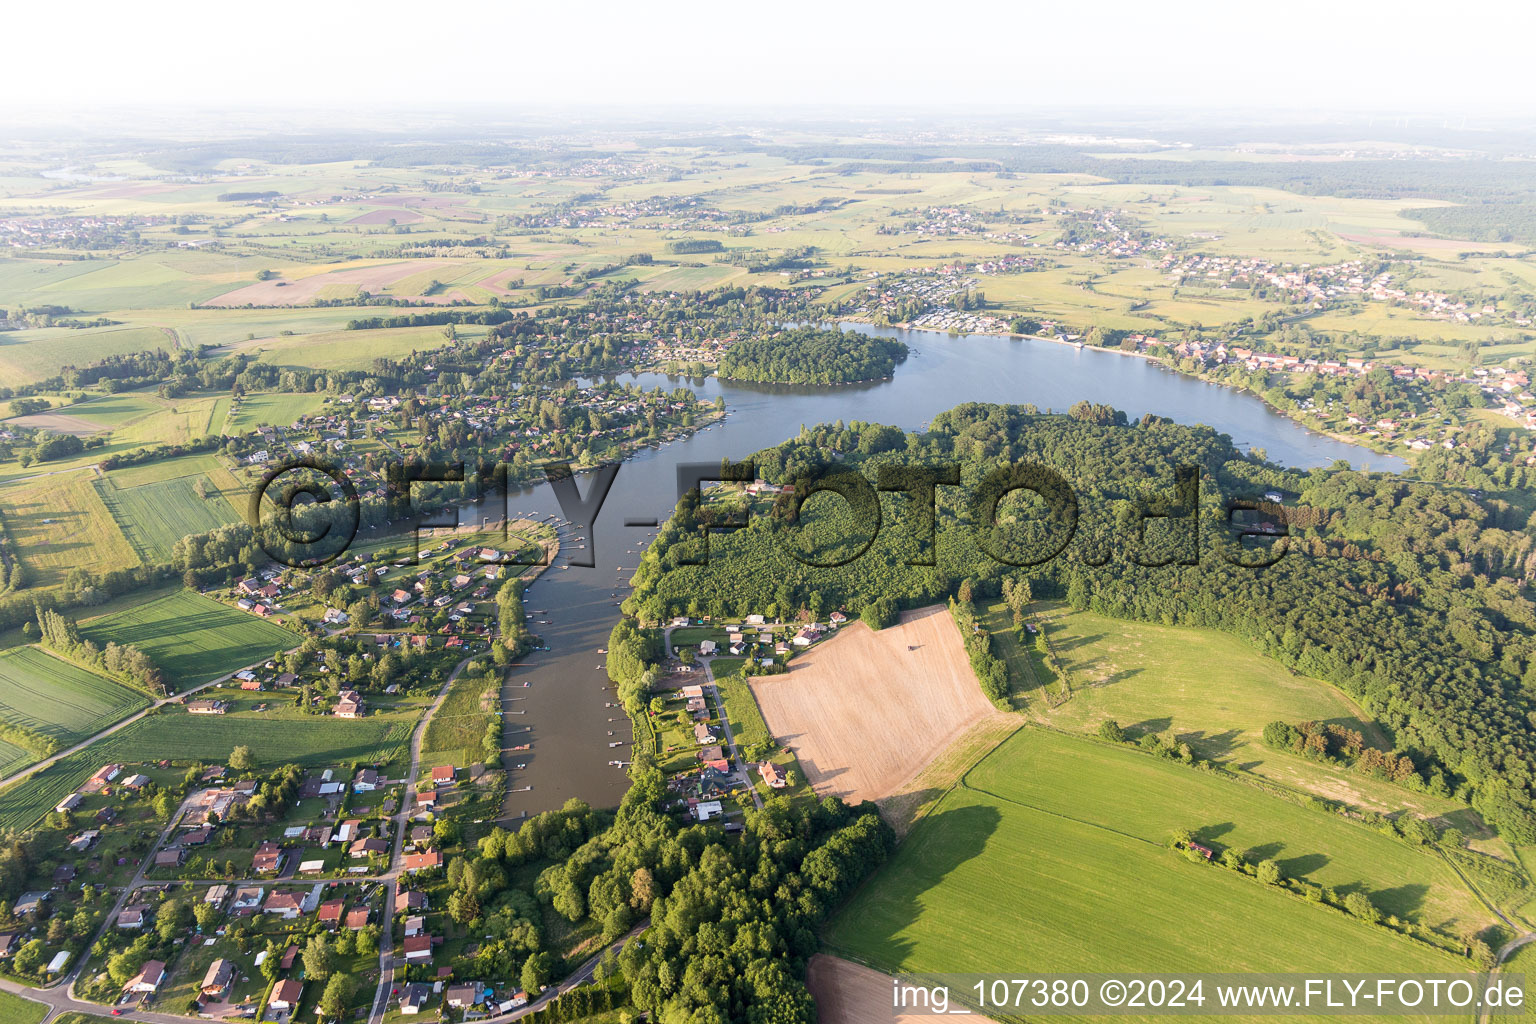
[122, 661]
[991, 671]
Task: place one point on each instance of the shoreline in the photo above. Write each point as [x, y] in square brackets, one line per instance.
[1164, 362]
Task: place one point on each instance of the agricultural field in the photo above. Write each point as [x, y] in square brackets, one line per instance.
[58, 698]
[192, 638]
[1150, 677]
[348, 350]
[155, 513]
[93, 415]
[865, 711]
[38, 353]
[985, 883]
[1149, 797]
[58, 522]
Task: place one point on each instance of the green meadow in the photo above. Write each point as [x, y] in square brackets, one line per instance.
[1149, 797]
[192, 638]
[276, 409]
[985, 883]
[1155, 678]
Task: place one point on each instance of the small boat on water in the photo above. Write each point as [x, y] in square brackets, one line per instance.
[618, 743]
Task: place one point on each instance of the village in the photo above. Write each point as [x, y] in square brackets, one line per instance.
[223, 914]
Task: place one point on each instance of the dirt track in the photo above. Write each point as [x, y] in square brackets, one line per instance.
[866, 711]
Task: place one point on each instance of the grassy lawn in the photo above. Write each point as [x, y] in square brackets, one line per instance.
[1150, 677]
[16, 1010]
[741, 708]
[985, 883]
[692, 636]
[192, 638]
[454, 735]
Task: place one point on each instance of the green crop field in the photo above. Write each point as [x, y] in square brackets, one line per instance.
[156, 514]
[107, 412]
[987, 884]
[1148, 797]
[192, 638]
[349, 350]
[58, 698]
[274, 738]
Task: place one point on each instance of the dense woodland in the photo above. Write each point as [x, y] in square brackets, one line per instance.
[732, 923]
[810, 355]
[1407, 595]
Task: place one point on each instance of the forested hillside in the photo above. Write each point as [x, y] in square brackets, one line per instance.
[1407, 595]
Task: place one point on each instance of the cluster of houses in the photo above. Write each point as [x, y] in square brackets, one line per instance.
[1099, 232]
[466, 997]
[1507, 390]
[259, 594]
[950, 222]
[1322, 286]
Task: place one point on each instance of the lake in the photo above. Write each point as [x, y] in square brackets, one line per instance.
[563, 714]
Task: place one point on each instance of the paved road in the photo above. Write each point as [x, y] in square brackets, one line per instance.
[391, 878]
[580, 976]
[60, 998]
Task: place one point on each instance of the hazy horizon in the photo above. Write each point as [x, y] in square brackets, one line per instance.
[1325, 58]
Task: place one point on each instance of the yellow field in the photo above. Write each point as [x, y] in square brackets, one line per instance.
[865, 712]
[59, 522]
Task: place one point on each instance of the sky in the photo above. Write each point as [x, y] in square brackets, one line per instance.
[1405, 56]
